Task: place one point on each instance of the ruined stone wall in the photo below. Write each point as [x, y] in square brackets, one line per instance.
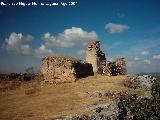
[59, 69]
[120, 66]
[113, 68]
[94, 55]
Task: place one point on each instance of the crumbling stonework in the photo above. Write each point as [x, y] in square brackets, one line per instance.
[120, 66]
[96, 57]
[116, 67]
[59, 69]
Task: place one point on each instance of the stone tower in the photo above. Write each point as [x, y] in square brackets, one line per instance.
[94, 55]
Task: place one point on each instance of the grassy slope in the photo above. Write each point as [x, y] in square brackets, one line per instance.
[62, 99]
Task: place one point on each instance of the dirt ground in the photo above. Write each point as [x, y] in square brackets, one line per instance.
[34, 101]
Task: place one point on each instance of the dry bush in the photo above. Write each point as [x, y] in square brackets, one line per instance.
[31, 88]
[39, 78]
[128, 83]
[9, 85]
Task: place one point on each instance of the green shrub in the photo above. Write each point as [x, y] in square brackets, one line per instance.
[145, 108]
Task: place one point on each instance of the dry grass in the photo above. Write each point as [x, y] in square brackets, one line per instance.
[52, 100]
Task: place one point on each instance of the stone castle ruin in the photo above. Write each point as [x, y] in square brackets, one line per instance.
[113, 68]
[100, 64]
[94, 55]
[60, 69]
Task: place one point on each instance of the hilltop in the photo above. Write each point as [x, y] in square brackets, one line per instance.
[34, 100]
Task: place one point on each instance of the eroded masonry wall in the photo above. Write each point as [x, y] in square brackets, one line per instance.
[94, 55]
[64, 69]
[113, 68]
[59, 69]
[101, 65]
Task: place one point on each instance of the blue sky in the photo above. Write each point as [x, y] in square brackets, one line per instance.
[127, 28]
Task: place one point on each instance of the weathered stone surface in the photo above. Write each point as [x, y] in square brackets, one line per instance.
[59, 69]
[112, 68]
[113, 109]
[107, 111]
[94, 55]
[144, 82]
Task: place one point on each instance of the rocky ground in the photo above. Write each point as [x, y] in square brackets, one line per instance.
[92, 98]
[113, 109]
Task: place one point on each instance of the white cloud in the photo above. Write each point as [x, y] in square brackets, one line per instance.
[137, 62]
[25, 50]
[17, 44]
[137, 58]
[115, 28]
[42, 51]
[156, 57]
[69, 38]
[145, 53]
[131, 63]
[81, 52]
[28, 38]
[110, 59]
[148, 62]
[111, 46]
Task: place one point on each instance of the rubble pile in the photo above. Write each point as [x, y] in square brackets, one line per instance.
[119, 67]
